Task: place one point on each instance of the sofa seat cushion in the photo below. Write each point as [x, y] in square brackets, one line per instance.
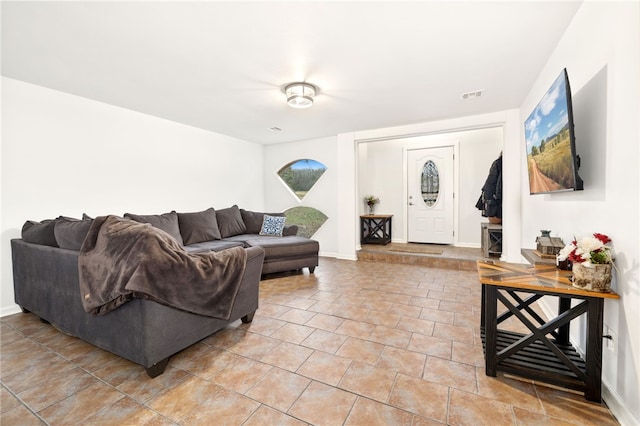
[216, 245]
[284, 247]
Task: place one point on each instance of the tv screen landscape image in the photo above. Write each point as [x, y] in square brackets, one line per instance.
[552, 162]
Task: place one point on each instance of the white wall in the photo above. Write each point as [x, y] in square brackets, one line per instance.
[323, 195]
[382, 174]
[601, 51]
[65, 155]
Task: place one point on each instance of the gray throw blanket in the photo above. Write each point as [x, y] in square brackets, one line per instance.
[121, 259]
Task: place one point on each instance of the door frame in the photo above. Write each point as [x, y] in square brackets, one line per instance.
[455, 144]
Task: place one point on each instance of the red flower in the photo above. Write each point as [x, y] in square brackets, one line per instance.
[605, 239]
[574, 258]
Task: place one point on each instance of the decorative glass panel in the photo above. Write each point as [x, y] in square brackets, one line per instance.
[301, 175]
[430, 183]
[308, 219]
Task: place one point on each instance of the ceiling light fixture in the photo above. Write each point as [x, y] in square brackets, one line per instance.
[300, 95]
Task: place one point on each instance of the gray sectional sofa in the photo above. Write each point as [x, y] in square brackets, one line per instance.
[46, 280]
[232, 227]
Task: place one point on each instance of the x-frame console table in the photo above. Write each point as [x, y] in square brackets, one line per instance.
[375, 229]
[544, 354]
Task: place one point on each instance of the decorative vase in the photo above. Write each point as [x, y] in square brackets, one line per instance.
[371, 208]
[592, 278]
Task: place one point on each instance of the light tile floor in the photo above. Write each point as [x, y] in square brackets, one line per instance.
[357, 343]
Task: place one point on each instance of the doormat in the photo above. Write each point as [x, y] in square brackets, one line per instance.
[416, 249]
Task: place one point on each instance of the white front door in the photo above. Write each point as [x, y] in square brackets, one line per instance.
[430, 195]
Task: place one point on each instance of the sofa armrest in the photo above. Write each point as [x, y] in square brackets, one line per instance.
[253, 253]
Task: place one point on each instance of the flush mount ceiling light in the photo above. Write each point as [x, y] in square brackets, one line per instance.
[300, 95]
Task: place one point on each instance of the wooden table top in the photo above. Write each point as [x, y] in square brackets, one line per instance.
[533, 277]
[376, 216]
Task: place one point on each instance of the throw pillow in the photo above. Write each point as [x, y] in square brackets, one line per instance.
[199, 227]
[272, 225]
[168, 222]
[40, 232]
[70, 233]
[230, 222]
[253, 220]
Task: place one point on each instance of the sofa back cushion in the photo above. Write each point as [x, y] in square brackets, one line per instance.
[230, 222]
[199, 227]
[40, 232]
[70, 233]
[168, 222]
[253, 220]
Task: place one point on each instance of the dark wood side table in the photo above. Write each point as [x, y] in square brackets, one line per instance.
[491, 239]
[544, 354]
[375, 229]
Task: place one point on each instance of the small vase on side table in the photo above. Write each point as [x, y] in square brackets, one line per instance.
[596, 277]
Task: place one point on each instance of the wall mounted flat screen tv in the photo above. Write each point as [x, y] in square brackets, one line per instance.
[552, 161]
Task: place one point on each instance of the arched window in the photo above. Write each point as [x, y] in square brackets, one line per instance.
[308, 219]
[301, 175]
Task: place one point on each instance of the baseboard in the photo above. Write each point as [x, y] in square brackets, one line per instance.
[354, 257]
[10, 310]
[327, 254]
[618, 407]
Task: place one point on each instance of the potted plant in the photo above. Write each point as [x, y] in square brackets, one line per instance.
[371, 201]
[591, 261]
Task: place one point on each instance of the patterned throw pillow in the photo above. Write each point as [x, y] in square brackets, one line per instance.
[272, 225]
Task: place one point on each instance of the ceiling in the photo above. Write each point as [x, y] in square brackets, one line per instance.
[222, 66]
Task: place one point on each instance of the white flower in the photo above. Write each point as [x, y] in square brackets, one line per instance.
[589, 244]
[565, 252]
[583, 253]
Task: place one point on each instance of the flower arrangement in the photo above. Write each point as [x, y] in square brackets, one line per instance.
[371, 200]
[588, 250]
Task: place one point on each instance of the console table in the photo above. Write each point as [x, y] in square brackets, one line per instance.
[544, 354]
[375, 229]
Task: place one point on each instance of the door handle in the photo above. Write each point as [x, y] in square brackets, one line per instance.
[410, 204]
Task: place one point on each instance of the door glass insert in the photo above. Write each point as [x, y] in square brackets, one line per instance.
[430, 183]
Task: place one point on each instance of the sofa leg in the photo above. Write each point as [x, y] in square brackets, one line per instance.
[25, 311]
[158, 368]
[311, 269]
[248, 318]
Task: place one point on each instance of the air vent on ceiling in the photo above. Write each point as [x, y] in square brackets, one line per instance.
[471, 95]
[275, 129]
